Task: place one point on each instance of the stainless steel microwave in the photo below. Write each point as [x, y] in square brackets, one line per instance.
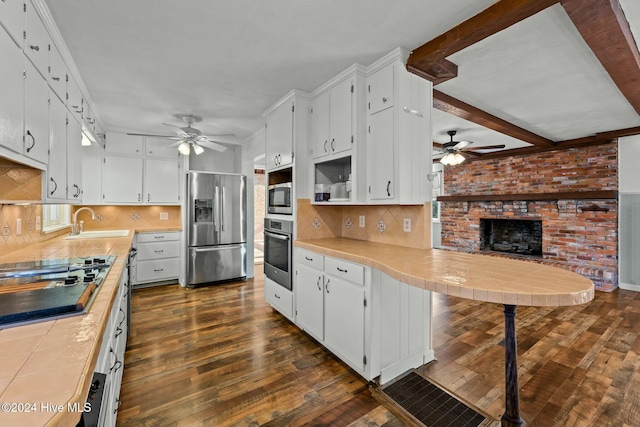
[280, 200]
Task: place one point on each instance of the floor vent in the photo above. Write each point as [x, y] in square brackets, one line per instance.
[431, 405]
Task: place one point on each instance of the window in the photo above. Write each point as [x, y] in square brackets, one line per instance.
[55, 217]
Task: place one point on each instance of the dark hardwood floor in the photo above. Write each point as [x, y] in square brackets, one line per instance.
[221, 356]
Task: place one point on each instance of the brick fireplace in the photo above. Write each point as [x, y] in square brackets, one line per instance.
[570, 194]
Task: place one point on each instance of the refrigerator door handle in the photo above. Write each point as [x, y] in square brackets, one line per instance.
[276, 236]
[216, 221]
[217, 248]
[222, 211]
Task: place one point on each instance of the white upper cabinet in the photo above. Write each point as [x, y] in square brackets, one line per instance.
[331, 120]
[91, 174]
[57, 73]
[36, 114]
[398, 133]
[57, 170]
[159, 147]
[74, 159]
[279, 135]
[75, 101]
[37, 41]
[12, 19]
[162, 181]
[120, 143]
[12, 98]
[122, 179]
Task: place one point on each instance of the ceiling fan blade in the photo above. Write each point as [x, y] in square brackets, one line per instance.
[210, 144]
[486, 147]
[460, 145]
[175, 144]
[227, 138]
[178, 130]
[437, 145]
[154, 136]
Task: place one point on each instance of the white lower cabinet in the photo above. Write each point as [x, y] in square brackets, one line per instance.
[279, 297]
[111, 357]
[378, 325]
[158, 258]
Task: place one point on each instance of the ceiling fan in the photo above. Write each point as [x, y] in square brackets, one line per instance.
[454, 152]
[189, 138]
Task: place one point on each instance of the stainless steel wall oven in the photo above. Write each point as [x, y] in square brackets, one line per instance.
[278, 242]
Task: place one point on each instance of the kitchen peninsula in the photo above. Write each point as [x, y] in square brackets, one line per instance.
[472, 276]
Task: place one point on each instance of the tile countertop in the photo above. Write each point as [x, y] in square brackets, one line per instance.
[472, 276]
[51, 363]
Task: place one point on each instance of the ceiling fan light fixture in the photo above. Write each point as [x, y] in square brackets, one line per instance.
[197, 149]
[457, 159]
[184, 148]
[452, 159]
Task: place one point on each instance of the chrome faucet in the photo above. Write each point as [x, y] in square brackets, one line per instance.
[75, 228]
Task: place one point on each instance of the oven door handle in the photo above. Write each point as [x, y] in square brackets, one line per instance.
[277, 236]
[217, 248]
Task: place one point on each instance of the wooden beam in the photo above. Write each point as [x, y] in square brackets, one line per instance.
[605, 29]
[451, 105]
[426, 60]
[563, 195]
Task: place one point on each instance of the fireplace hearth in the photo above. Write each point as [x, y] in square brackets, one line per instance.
[511, 236]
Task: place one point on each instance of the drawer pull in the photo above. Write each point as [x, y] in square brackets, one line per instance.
[158, 237]
[341, 270]
[159, 251]
[158, 270]
[308, 259]
[276, 295]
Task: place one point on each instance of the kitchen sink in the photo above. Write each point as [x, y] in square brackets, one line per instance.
[99, 233]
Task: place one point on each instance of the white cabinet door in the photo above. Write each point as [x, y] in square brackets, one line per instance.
[380, 89]
[121, 179]
[162, 181]
[36, 114]
[123, 144]
[57, 170]
[340, 117]
[57, 73]
[91, 174]
[12, 96]
[310, 300]
[12, 19]
[344, 319]
[320, 126]
[36, 44]
[158, 147]
[380, 155]
[74, 159]
[75, 102]
[279, 136]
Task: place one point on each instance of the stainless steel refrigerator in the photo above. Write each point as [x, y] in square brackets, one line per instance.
[216, 227]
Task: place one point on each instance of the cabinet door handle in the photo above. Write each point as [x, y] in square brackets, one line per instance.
[333, 140]
[55, 186]
[318, 283]
[384, 100]
[341, 270]
[388, 189]
[139, 197]
[148, 197]
[33, 144]
[414, 112]
[326, 285]
[325, 145]
[35, 47]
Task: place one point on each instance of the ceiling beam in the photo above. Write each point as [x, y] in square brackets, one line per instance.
[451, 105]
[605, 29]
[429, 60]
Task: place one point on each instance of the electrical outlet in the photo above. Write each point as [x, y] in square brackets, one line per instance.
[361, 221]
[38, 224]
[407, 225]
[18, 227]
[164, 216]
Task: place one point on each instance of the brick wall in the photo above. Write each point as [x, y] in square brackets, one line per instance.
[575, 236]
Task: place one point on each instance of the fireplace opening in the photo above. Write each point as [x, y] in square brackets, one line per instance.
[512, 236]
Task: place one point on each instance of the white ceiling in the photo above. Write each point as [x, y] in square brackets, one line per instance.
[145, 62]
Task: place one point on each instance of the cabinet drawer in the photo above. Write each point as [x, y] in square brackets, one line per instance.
[279, 297]
[311, 259]
[156, 270]
[158, 237]
[345, 270]
[156, 250]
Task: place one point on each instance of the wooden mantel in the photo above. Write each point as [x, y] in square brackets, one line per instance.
[563, 195]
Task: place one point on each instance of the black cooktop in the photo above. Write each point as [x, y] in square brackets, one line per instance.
[35, 291]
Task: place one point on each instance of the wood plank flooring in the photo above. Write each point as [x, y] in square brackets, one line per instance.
[221, 356]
